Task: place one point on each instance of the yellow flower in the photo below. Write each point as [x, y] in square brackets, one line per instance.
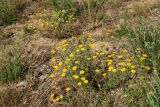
[81, 71]
[144, 55]
[147, 67]
[64, 49]
[109, 62]
[76, 62]
[53, 51]
[86, 81]
[56, 100]
[71, 55]
[138, 49]
[77, 50]
[142, 58]
[125, 50]
[82, 49]
[68, 89]
[123, 69]
[60, 64]
[52, 76]
[121, 63]
[64, 70]
[80, 46]
[120, 56]
[63, 74]
[64, 41]
[94, 57]
[133, 71]
[79, 84]
[129, 60]
[110, 68]
[55, 67]
[61, 96]
[104, 74]
[68, 66]
[88, 59]
[97, 70]
[83, 78]
[74, 68]
[75, 76]
[101, 53]
[129, 64]
[91, 46]
[53, 59]
[52, 95]
[114, 70]
[133, 66]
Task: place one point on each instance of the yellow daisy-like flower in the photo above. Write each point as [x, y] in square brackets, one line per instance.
[52, 76]
[80, 46]
[81, 72]
[133, 66]
[75, 76]
[147, 67]
[55, 67]
[104, 74]
[85, 81]
[68, 66]
[68, 89]
[56, 100]
[88, 59]
[123, 69]
[114, 70]
[63, 42]
[94, 57]
[63, 74]
[60, 64]
[77, 50]
[133, 71]
[52, 95]
[83, 78]
[61, 96]
[129, 64]
[53, 59]
[109, 62]
[101, 53]
[64, 70]
[97, 70]
[71, 55]
[53, 51]
[121, 63]
[110, 68]
[64, 49]
[144, 55]
[142, 58]
[91, 46]
[76, 62]
[74, 68]
[82, 49]
[125, 50]
[129, 60]
[120, 56]
[79, 83]
[138, 49]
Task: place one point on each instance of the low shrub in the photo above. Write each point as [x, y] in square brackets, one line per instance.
[82, 66]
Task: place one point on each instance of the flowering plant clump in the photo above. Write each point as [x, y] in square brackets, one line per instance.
[49, 20]
[78, 64]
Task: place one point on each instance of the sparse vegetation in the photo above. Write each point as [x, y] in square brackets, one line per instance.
[104, 53]
[13, 69]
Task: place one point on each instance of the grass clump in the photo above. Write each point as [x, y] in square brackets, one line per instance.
[13, 68]
[8, 12]
[153, 95]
